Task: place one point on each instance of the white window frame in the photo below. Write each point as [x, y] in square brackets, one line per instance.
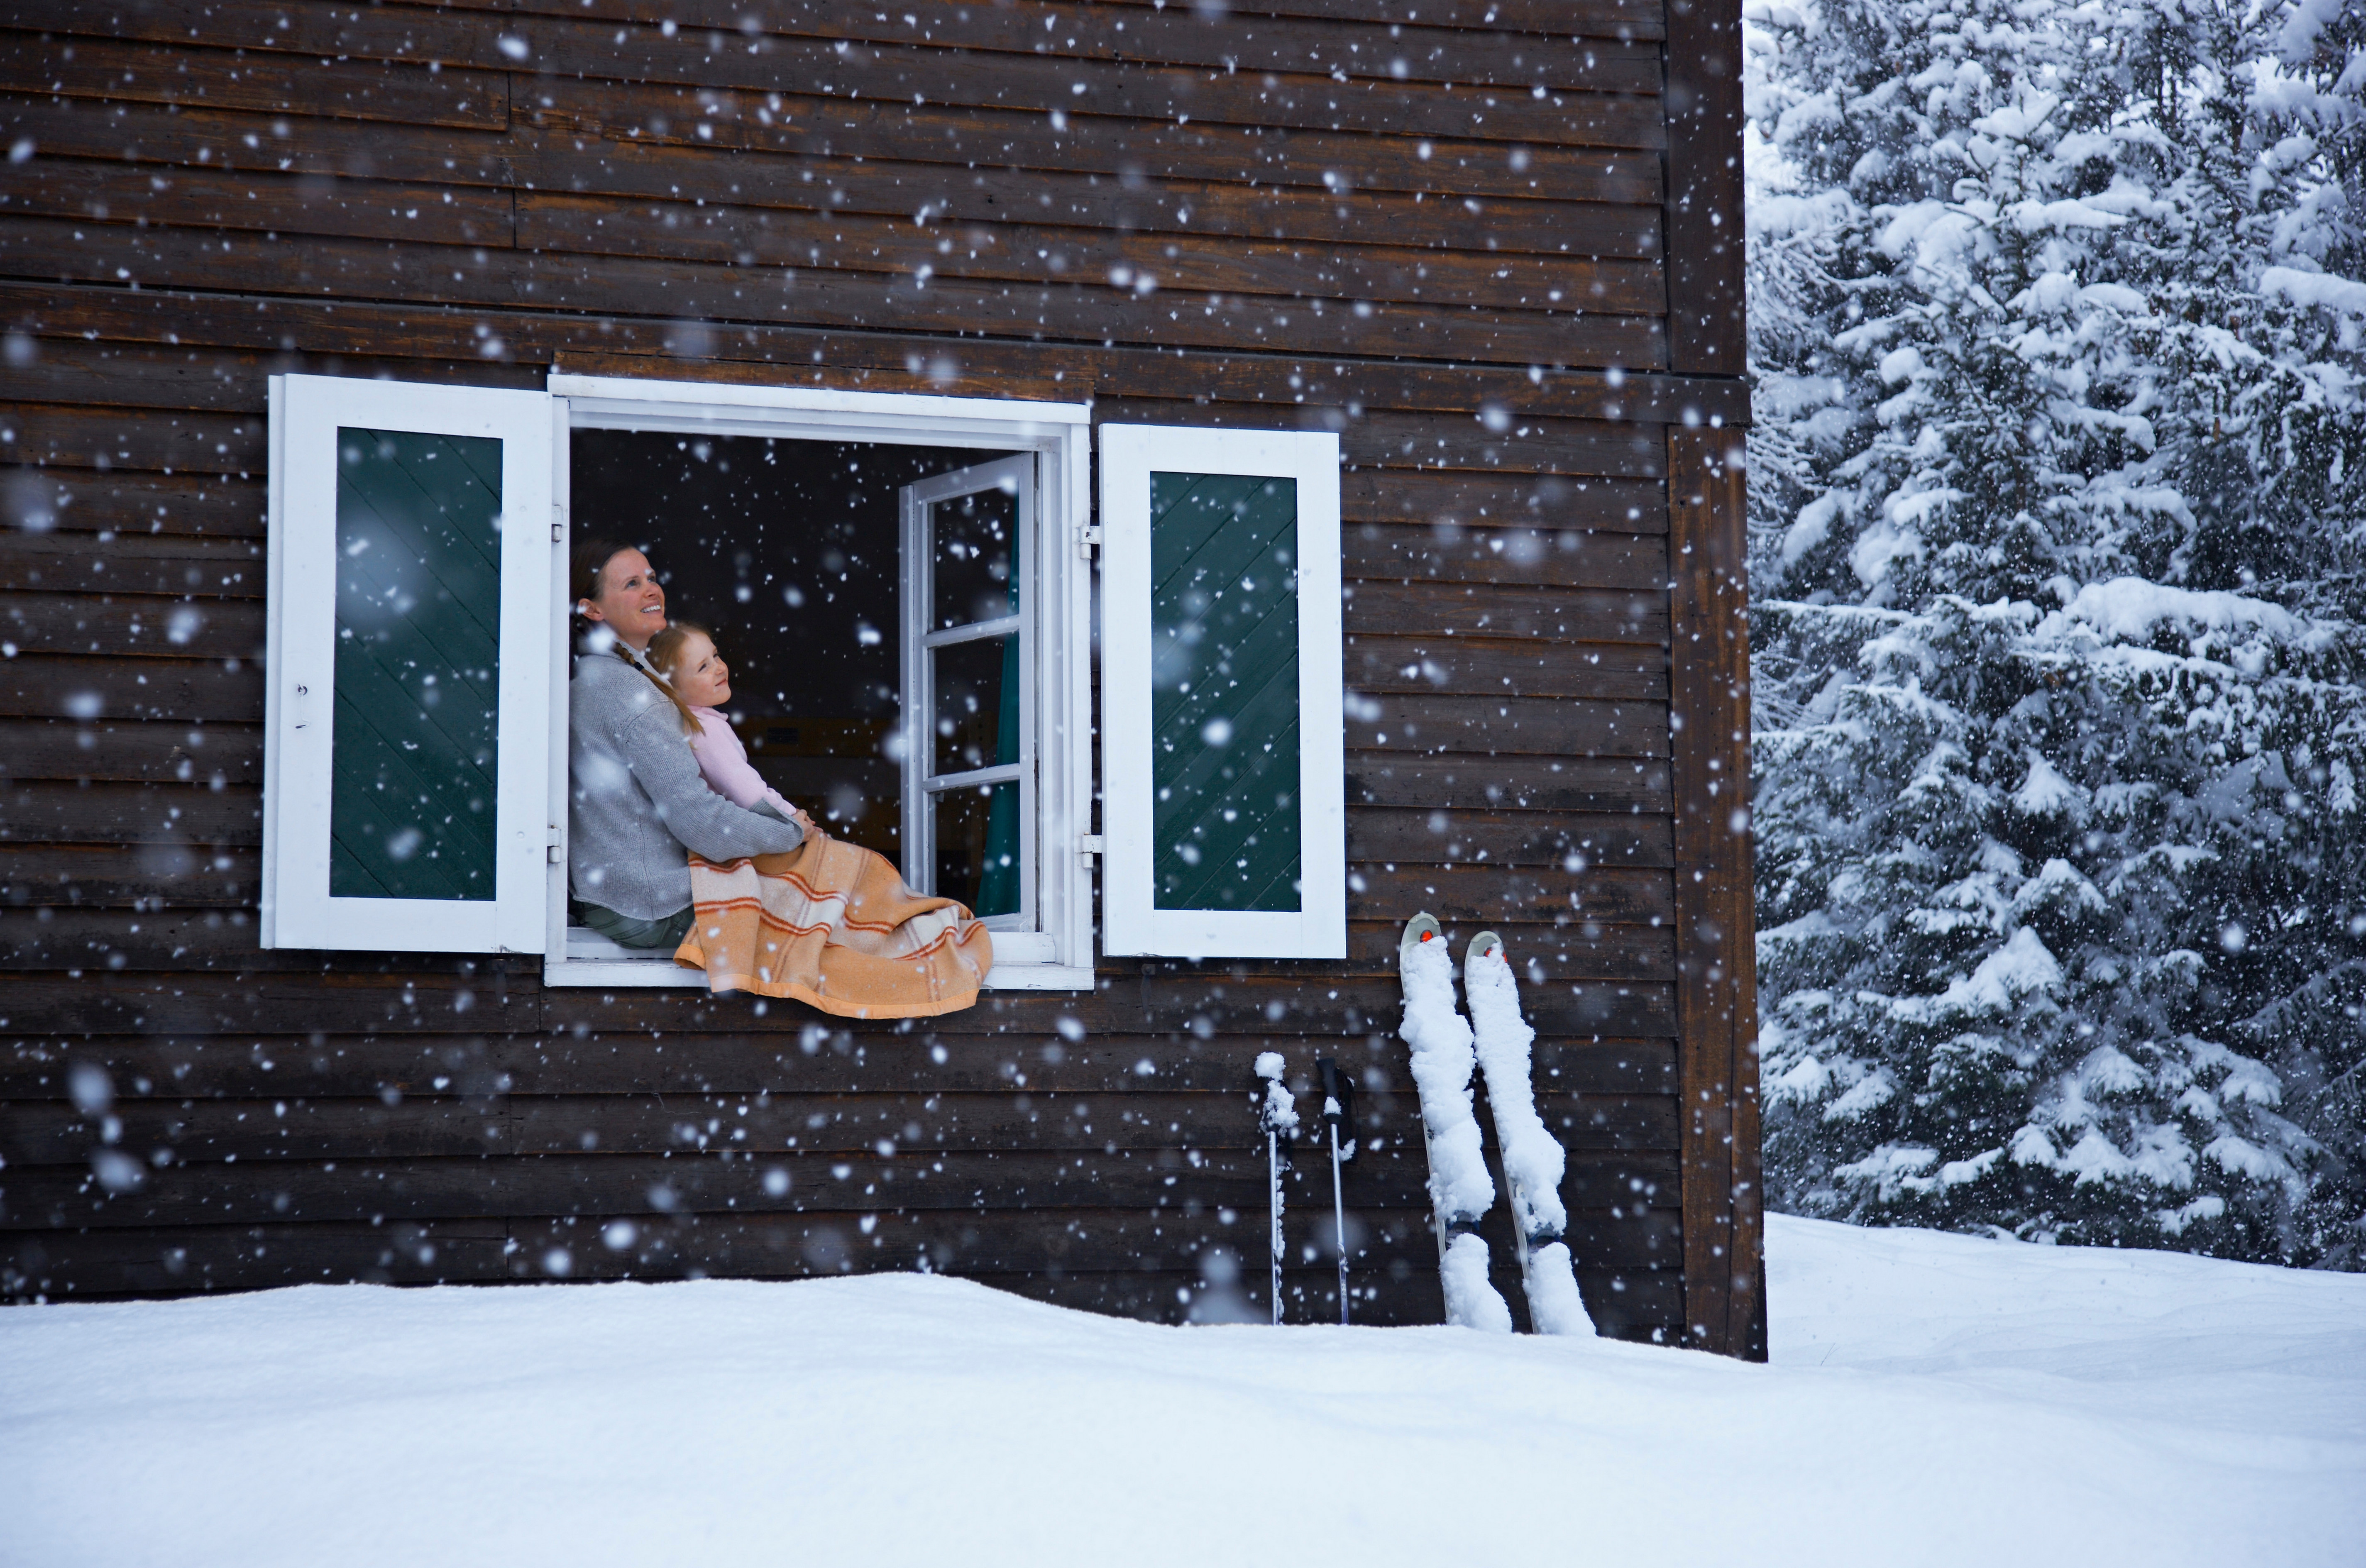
[1130, 454]
[922, 781]
[299, 662]
[1057, 956]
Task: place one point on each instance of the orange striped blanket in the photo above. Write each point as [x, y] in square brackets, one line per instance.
[832, 924]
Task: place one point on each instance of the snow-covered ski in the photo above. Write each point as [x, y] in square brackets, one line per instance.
[1460, 1191]
[1533, 1159]
[1277, 1118]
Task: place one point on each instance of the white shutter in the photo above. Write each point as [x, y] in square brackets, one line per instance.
[1223, 750]
[407, 748]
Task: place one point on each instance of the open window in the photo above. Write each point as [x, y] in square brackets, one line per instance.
[1223, 749]
[897, 581]
[405, 741]
[897, 585]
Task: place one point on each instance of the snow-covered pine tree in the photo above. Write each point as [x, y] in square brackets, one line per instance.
[2058, 496]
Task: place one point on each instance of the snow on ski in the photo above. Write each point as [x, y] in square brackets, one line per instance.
[1533, 1159]
[1460, 1191]
[1277, 1118]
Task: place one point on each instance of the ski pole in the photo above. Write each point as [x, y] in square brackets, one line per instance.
[1339, 1107]
[1277, 1115]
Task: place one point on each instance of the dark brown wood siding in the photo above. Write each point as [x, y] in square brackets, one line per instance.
[1447, 239]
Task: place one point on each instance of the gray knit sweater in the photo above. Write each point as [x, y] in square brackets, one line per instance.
[635, 798]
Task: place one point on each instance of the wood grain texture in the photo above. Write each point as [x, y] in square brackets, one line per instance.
[1715, 943]
[1705, 237]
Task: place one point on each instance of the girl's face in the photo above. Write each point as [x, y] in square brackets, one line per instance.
[700, 674]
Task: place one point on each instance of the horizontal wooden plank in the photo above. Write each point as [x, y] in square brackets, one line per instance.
[1096, 311]
[1493, 666]
[1585, 19]
[368, 992]
[1453, 502]
[1576, 950]
[117, 375]
[1070, 1240]
[76, 501]
[1563, 615]
[306, 203]
[46, 1265]
[50, 1133]
[1359, 266]
[59, 812]
[60, 924]
[888, 360]
[126, 622]
[1521, 783]
[104, 62]
[1064, 1244]
[185, 566]
[127, 876]
[1563, 557]
[81, 687]
[263, 1192]
[728, 1069]
[1153, 997]
[437, 993]
[125, 438]
[1495, 727]
[1327, 42]
[1601, 893]
[1386, 438]
[130, 751]
[1415, 837]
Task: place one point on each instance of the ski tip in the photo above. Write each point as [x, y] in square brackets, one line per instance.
[1421, 928]
[1486, 945]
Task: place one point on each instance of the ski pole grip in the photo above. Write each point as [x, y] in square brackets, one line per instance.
[1338, 1103]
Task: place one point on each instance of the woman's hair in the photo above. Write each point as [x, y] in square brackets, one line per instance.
[665, 654]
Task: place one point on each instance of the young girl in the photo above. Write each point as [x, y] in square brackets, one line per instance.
[700, 682]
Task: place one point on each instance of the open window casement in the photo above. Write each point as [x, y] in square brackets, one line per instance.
[988, 611]
[408, 683]
[969, 703]
[1222, 747]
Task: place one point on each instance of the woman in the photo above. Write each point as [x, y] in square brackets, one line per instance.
[634, 798]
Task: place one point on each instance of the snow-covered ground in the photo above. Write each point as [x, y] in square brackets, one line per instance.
[1932, 1399]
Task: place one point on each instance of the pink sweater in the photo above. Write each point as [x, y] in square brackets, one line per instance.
[724, 763]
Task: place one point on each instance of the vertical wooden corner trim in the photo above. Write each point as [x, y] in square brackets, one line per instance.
[1703, 105]
[1716, 1006]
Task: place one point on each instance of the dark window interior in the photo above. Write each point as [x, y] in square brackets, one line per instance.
[787, 550]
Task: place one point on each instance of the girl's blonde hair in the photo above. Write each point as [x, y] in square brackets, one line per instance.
[665, 655]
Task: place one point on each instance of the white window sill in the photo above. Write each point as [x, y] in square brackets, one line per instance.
[593, 960]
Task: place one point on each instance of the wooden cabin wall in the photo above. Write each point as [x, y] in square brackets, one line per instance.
[1447, 239]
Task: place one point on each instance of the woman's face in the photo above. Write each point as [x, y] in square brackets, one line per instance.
[630, 604]
[700, 676]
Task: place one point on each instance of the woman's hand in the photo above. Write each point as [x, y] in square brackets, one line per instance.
[805, 823]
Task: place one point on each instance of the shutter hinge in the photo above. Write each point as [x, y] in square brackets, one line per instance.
[1089, 539]
[557, 842]
[557, 523]
[1092, 844]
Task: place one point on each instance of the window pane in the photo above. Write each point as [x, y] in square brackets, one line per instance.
[1225, 692]
[974, 535]
[977, 704]
[978, 848]
[418, 617]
